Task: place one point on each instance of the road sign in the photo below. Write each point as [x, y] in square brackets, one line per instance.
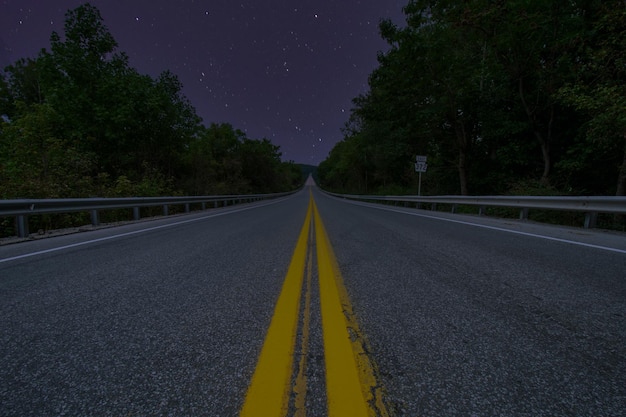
[421, 166]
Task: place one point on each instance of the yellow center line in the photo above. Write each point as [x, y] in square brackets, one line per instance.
[269, 390]
[351, 383]
[301, 380]
[340, 311]
[343, 384]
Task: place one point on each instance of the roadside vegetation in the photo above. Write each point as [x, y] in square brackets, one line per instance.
[503, 97]
[78, 121]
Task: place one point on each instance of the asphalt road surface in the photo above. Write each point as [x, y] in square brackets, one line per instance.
[459, 315]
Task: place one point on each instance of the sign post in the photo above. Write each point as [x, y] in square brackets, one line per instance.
[420, 166]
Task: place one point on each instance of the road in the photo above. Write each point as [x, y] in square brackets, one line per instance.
[456, 315]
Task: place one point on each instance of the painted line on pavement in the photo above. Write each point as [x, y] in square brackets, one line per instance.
[351, 384]
[279, 385]
[136, 232]
[500, 229]
[300, 386]
[270, 387]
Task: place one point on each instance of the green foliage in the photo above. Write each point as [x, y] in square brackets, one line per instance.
[36, 162]
[223, 160]
[599, 94]
[306, 170]
[78, 121]
[496, 94]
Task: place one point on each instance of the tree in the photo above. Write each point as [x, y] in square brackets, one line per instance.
[480, 86]
[35, 162]
[88, 47]
[599, 92]
[531, 43]
[79, 121]
[423, 96]
[213, 160]
[260, 165]
[222, 160]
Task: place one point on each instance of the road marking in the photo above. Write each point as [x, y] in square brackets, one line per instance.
[351, 384]
[269, 390]
[135, 232]
[300, 387]
[500, 229]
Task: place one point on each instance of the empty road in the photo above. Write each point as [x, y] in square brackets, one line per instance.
[447, 314]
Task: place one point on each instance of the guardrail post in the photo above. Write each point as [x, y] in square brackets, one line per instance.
[215, 204]
[523, 214]
[166, 210]
[95, 219]
[203, 206]
[187, 208]
[481, 210]
[590, 220]
[136, 215]
[21, 224]
[433, 207]
[454, 207]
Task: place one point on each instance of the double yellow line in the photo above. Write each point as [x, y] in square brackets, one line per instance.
[352, 389]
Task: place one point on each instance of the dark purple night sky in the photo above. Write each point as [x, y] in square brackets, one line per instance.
[279, 69]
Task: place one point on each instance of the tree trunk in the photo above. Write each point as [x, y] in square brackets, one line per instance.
[461, 137]
[463, 172]
[541, 138]
[545, 153]
[621, 177]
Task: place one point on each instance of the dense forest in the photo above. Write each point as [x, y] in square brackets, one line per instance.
[504, 97]
[78, 121]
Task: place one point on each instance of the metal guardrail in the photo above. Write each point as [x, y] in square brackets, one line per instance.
[591, 206]
[21, 209]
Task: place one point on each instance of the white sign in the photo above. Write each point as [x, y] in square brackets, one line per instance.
[421, 166]
[420, 158]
